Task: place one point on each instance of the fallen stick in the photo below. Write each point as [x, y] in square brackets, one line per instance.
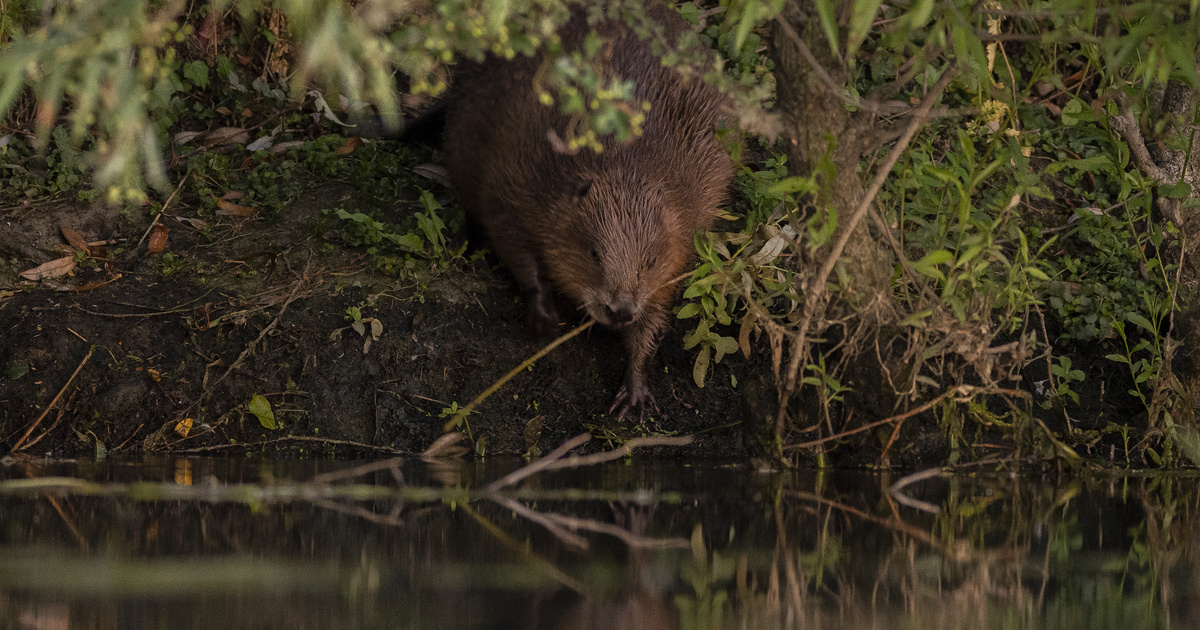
[29, 431]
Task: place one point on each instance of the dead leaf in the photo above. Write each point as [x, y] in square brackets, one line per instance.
[52, 269]
[224, 111]
[227, 135]
[284, 146]
[95, 285]
[183, 427]
[352, 143]
[184, 137]
[744, 334]
[158, 239]
[74, 239]
[436, 172]
[195, 224]
[262, 143]
[233, 210]
[154, 374]
[233, 194]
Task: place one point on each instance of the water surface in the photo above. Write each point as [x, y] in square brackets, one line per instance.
[259, 543]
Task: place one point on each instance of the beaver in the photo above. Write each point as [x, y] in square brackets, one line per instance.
[612, 230]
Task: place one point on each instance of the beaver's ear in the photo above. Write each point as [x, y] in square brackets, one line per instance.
[582, 188]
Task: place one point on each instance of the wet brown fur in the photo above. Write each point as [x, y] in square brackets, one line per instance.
[610, 231]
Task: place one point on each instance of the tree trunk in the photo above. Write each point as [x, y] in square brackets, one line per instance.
[815, 120]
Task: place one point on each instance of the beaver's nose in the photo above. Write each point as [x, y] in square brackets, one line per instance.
[620, 311]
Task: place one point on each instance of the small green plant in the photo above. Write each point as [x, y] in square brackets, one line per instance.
[741, 276]
[359, 324]
[170, 264]
[618, 435]
[1061, 377]
[1144, 368]
[710, 303]
[830, 390]
[427, 241]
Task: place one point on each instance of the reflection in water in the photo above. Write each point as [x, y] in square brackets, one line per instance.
[235, 543]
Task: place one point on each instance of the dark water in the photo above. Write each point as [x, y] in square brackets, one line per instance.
[248, 543]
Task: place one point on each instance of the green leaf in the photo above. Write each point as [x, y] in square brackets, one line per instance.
[829, 23]
[749, 17]
[1036, 274]
[1075, 112]
[1089, 165]
[919, 15]
[691, 309]
[1142, 322]
[724, 346]
[408, 242]
[592, 44]
[197, 73]
[940, 257]
[1179, 190]
[1117, 357]
[14, 371]
[916, 318]
[862, 16]
[261, 408]
[690, 12]
[1189, 442]
[792, 184]
[700, 368]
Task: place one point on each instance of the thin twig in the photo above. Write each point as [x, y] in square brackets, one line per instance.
[161, 211]
[523, 549]
[465, 411]
[924, 506]
[361, 512]
[357, 471]
[892, 523]
[53, 425]
[897, 418]
[627, 537]
[566, 537]
[296, 438]
[517, 475]
[625, 449]
[817, 299]
[555, 461]
[29, 431]
[265, 331]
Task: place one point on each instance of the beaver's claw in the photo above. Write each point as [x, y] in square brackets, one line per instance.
[633, 396]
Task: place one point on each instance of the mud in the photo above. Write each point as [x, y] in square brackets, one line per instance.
[159, 348]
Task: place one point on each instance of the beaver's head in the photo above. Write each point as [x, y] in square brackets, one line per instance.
[618, 245]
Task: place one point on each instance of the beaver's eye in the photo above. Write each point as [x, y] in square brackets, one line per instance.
[653, 261]
[582, 188]
[595, 256]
